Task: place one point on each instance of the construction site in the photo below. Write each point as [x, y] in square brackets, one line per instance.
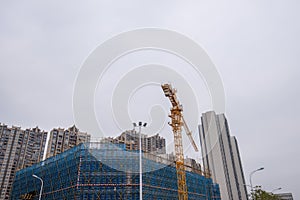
[108, 171]
[121, 168]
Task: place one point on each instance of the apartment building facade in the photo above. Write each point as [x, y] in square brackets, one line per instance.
[151, 144]
[18, 149]
[61, 139]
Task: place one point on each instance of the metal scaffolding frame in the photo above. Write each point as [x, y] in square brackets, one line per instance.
[107, 171]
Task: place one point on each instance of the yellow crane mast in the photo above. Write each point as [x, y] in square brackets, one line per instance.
[177, 121]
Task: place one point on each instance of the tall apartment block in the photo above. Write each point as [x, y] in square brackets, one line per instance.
[154, 144]
[18, 149]
[221, 156]
[63, 139]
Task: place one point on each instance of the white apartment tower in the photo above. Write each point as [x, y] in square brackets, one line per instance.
[221, 156]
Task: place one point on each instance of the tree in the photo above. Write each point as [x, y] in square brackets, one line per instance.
[259, 194]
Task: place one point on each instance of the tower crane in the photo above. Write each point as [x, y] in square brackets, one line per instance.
[177, 121]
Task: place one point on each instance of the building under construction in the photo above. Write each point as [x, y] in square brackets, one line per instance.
[108, 171]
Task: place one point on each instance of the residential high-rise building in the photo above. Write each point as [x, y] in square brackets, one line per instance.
[191, 165]
[221, 156]
[154, 144]
[18, 149]
[63, 139]
[239, 176]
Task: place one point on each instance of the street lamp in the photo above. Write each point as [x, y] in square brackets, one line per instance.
[140, 125]
[35, 176]
[276, 189]
[262, 168]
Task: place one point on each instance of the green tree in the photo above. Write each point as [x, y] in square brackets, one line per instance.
[259, 194]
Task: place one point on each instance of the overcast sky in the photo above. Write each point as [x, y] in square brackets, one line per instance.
[254, 45]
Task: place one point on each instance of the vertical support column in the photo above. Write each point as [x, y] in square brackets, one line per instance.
[176, 124]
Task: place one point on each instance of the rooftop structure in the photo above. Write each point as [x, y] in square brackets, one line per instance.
[285, 196]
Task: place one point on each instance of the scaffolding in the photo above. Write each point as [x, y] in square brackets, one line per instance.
[108, 171]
